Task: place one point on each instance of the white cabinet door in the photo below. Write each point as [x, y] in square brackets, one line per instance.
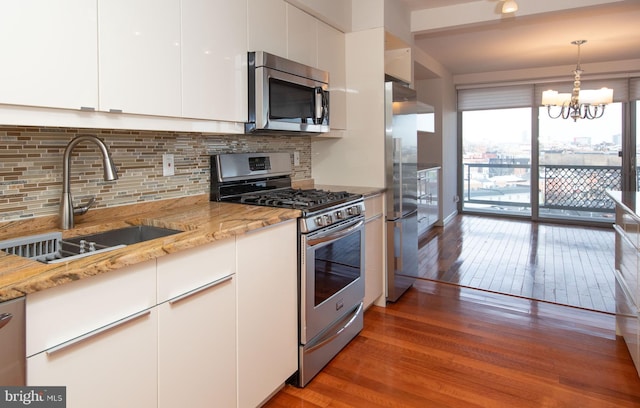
[267, 26]
[112, 368]
[302, 37]
[49, 51]
[331, 57]
[214, 60]
[139, 56]
[98, 337]
[197, 349]
[59, 314]
[267, 311]
[197, 327]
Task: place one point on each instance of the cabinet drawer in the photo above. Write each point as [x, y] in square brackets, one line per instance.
[59, 314]
[627, 263]
[122, 360]
[373, 206]
[187, 270]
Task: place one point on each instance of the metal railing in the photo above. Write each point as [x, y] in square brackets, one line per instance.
[562, 187]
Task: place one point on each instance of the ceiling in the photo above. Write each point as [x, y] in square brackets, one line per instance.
[477, 38]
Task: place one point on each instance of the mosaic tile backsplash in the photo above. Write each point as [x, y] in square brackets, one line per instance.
[31, 166]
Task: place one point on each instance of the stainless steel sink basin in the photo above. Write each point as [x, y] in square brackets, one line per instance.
[108, 240]
[124, 236]
[51, 248]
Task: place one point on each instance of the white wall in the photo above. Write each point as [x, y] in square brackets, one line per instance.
[441, 147]
[357, 159]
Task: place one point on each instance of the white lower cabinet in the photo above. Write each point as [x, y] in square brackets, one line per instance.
[267, 311]
[196, 327]
[428, 204]
[213, 326]
[374, 250]
[111, 368]
[112, 364]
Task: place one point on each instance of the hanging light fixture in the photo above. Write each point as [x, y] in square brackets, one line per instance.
[579, 104]
[509, 6]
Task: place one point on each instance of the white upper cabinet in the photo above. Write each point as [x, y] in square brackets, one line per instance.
[302, 37]
[267, 28]
[139, 56]
[214, 59]
[49, 53]
[331, 57]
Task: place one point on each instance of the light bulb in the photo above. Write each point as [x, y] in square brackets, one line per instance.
[509, 6]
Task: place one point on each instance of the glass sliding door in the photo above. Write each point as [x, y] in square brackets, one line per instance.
[578, 162]
[496, 161]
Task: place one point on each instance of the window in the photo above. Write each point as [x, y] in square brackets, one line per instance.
[507, 140]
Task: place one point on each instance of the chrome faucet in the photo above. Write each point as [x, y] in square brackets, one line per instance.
[67, 210]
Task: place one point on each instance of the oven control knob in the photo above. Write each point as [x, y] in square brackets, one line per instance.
[355, 210]
[339, 214]
[320, 222]
[327, 219]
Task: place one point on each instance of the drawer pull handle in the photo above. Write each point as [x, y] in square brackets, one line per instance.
[623, 234]
[201, 289]
[5, 318]
[115, 110]
[87, 109]
[96, 332]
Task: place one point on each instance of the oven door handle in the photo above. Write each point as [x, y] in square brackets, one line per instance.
[335, 235]
[331, 336]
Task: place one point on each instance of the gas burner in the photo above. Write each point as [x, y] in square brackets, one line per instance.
[303, 199]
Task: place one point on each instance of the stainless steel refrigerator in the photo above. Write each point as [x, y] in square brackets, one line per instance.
[401, 156]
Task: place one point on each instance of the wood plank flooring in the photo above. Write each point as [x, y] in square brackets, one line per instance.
[562, 264]
[443, 345]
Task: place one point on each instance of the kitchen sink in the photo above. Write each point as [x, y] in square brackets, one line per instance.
[51, 248]
[124, 236]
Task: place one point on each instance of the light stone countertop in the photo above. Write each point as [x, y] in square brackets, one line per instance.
[201, 220]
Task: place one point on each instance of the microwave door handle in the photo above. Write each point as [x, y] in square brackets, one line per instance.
[321, 106]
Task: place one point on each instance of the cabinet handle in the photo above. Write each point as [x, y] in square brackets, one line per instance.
[622, 233]
[201, 289]
[87, 109]
[96, 332]
[5, 318]
[115, 110]
[375, 217]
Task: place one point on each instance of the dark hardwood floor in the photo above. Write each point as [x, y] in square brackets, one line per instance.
[563, 264]
[443, 345]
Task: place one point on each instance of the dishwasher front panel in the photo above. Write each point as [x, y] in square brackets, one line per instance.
[12, 343]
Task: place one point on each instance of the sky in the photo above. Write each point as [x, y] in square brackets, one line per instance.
[514, 125]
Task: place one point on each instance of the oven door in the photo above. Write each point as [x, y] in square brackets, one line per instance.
[332, 275]
[285, 102]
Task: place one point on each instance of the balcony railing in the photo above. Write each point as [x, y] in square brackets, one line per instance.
[562, 187]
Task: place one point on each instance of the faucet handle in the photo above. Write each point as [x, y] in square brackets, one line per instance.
[82, 209]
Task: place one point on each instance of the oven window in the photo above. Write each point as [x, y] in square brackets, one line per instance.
[291, 102]
[336, 266]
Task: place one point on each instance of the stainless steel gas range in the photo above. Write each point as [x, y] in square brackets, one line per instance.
[330, 250]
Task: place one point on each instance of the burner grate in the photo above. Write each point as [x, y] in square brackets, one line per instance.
[295, 198]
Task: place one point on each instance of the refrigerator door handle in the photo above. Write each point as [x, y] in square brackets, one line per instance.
[397, 149]
[398, 258]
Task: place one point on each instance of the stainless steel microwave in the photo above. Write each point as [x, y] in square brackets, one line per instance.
[286, 96]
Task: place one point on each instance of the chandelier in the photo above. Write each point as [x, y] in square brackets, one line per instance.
[579, 104]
